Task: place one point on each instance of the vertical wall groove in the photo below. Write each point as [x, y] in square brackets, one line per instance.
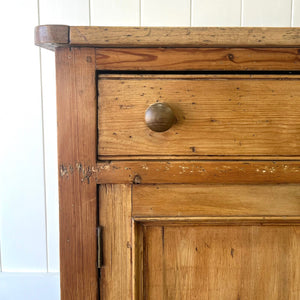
[43, 146]
[191, 12]
[242, 13]
[90, 13]
[140, 12]
[292, 13]
[44, 165]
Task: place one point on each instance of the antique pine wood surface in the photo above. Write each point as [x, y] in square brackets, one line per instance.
[115, 218]
[249, 262]
[219, 220]
[195, 59]
[215, 116]
[137, 260]
[176, 258]
[214, 215]
[166, 36]
[192, 171]
[51, 36]
[76, 119]
[215, 200]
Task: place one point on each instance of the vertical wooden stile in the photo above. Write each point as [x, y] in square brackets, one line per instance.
[115, 219]
[76, 118]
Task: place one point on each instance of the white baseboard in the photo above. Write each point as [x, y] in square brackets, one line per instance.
[29, 286]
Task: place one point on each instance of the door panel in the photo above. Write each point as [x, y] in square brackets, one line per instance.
[215, 200]
[221, 262]
[241, 242]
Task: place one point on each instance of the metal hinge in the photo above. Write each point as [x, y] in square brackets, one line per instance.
[99, 247]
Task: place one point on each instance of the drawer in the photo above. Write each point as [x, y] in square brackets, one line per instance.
[217, 115]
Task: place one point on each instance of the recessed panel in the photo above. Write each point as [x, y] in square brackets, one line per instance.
[221, 262]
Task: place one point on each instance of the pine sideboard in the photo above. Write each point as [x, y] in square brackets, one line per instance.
[179, 162]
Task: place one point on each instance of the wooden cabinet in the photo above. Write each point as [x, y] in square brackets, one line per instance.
[208, 209]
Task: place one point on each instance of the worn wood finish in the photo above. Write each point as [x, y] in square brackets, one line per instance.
[208, 209]
[51, 36]
[215, 200]
[115, 218]
[221, 262]
[76, 122]
[215, 116]
[186, 37]
[198, 59]
[137, 261]
[145, 172]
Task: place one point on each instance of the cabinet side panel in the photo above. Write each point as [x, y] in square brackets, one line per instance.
[115, 220]
[76, 122]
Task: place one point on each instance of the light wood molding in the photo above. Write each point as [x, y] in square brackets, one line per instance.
[52, 36]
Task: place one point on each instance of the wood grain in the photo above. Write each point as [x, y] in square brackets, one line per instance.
[115, 218]
[51, 36]
[192, 171]
[137, 260]
[221, 262]
[184, 36]
[198, 59]
[215, 116]
[76, 122]
[219, 220]
[171, 200]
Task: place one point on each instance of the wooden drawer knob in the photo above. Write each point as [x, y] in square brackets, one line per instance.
[159, 117]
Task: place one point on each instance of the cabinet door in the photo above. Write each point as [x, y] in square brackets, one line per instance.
[200, 241]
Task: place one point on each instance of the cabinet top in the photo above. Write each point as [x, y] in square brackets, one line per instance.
[53, 36]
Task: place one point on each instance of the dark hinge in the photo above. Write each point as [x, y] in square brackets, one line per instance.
[99, 247]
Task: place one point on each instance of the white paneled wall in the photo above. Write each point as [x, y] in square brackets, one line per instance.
[295, 18]
[29, 256]
[115, 12]
[71, 12]
[22, 201]
[165, 13]
[267, 13]
[216, 13]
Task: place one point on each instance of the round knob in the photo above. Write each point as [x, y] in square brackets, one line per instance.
[159, 117]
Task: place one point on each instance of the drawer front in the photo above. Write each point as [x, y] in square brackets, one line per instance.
[217, 115]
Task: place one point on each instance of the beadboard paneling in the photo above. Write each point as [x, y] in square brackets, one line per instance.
[68, 12]
[115, 12]
[296, 13]
[275, 13]
[22, 206]
[216, 13]
[50, 150]
[71, 12]
[165, 13]
[29, 286]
